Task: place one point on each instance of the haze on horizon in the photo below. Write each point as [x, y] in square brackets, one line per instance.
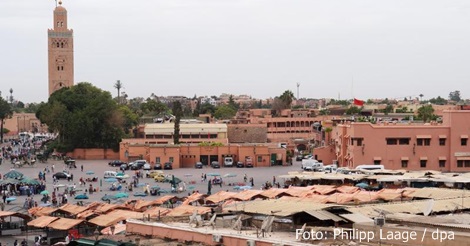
[363, 48]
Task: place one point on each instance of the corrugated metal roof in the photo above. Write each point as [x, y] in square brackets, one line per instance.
[278, 207]
[324, 215]
[357, 218]
[412, 207]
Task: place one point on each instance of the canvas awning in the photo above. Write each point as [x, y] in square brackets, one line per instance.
[324, 215]
[442, 136]
[423, 136]
[64, 224]
[404, 158]
[377, 158]
[463, 136]
[463, 158]
[442, 158]
[423, 158]
[42, 221]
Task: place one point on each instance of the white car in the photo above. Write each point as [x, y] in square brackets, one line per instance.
[147, 166]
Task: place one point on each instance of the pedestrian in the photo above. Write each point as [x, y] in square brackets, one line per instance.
[81, 167]
[2, 205]
[15, 243]
[53, 167]
[274, 180]
[4, 197]
[245, 178]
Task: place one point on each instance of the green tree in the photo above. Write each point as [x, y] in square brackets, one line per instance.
[5, 113]
[286, 98]
[118, 86]
[84, 116]
[426, 113]
[438, 101]
[388, 109]
[353, 110]
[324, 111]
[455, 96]
[131, 119]
[177, 112]
[232, 103]
[225, 112]
[207, 108]
[153, 107]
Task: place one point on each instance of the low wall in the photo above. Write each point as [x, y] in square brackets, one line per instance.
[193, 235]
[94, 154]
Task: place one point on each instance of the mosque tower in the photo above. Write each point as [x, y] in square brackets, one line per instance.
[60, 51]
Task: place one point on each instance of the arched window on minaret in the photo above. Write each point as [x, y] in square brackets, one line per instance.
[61, 24]
[58, 68]
[62, 68]
[58, 45]
[62, 45]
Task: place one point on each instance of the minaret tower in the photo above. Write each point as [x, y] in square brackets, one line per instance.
[60, 47]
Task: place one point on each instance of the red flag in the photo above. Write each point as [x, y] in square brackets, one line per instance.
[358, 102]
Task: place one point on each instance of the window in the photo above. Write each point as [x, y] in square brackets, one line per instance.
[376, 162]
[260, 158]
[157, 160]
[359, 142]
[392, 141]
[403, 141]
[58, 45]
[459, 163]
[442, 163]
[423, 163]
[442, 141]
[463, 141]
[58, 68]
[404, 163]
[466, 163]
[171, 159]
[423, 141]
[58, 24]
[61, 45]
[62, 68]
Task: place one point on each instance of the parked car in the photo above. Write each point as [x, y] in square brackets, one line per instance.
[299, 158]
[158, 166]
[240, 164]
[198, 165]
[147, 166]
[134, 166]
[159, 177]
[62, 175]
[215, 164]
[124, 167]
[168, 166]
[249, 164]
[116, 163]
[154, 173]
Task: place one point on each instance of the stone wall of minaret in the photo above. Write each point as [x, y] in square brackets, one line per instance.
[60, 52]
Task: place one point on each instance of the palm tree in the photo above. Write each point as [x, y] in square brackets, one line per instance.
[287, 97]
[11, 95]
[118, 86]
[421, 97]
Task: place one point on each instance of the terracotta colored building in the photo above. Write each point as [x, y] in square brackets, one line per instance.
[189, 133]
[186, 155]
[432, 146]
[23, 122]
[60, 51]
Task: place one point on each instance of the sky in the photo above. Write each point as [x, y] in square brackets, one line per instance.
[333, 49]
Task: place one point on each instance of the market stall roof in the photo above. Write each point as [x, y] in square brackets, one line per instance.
[188, 210]
[72, 209]
[64, 224]
[14, 214]
[41, 211]
[115, 216]
[42, 221]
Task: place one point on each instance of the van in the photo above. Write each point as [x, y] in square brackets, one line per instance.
[370, 167]
[330, 168]
[110, 174]
[228, 161]
[311, 165]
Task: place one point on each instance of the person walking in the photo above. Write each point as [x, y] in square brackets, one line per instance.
[81, 167]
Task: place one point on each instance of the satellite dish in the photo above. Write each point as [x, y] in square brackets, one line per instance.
[428, 207]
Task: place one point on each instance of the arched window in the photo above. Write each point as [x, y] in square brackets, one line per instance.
[62, 68]
[62, 45]
[58, 24]
[58, 68]
[61, 24]
[60, 84]
[58, 45]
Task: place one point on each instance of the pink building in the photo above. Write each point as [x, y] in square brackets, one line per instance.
[434, 146]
